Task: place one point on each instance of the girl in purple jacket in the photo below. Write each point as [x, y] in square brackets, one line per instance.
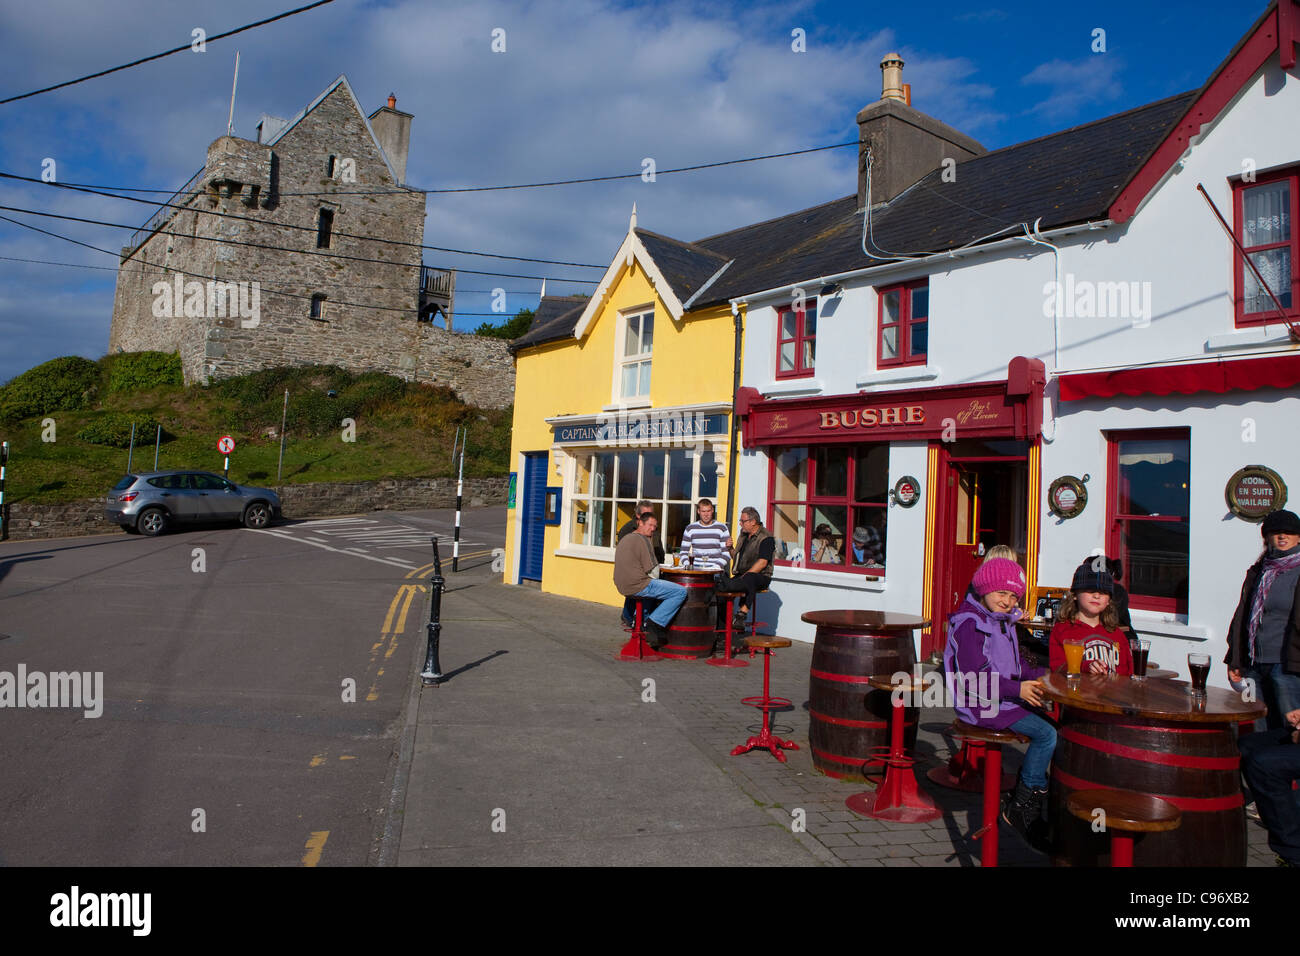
[990, 686]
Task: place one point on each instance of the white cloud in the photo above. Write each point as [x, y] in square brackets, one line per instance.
[1075, 84]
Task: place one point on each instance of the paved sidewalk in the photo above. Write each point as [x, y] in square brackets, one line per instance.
[542, 748]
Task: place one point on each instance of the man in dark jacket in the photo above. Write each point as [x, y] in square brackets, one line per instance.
[752, 566]
[1270, 762]
[1264, 636]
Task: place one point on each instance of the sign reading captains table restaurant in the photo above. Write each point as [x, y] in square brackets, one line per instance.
[665, 427]
[949, 414]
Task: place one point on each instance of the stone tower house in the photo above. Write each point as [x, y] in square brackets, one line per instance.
[282, 277]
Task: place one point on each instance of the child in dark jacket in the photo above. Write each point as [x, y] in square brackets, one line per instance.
[991, 686]
[1088, 613]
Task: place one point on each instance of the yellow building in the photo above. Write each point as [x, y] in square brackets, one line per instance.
[623, 396]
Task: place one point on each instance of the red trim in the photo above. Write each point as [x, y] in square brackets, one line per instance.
[841, 678]
[1149, 756]
[903, 340]
[1218, 377]
[1269, 314]
[1227, 82]
[826, 755]
[845, 722]
[800, 337]
[1189, 804]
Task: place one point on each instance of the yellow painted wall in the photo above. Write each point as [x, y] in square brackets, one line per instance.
[691, 364]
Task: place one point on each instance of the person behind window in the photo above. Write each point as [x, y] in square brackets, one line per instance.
[1264, 636]
[823, 546]
[752, 567]
[643, 507]
[636, 575]
[868, 548]
[707, 539]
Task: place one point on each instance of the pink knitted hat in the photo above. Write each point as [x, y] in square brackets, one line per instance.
[999, 574]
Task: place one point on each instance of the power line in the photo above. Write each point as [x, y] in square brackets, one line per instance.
[301, 252]
[159, 56]
[399, 190]
[97, 191]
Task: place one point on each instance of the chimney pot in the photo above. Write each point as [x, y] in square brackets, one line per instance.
[392, 101]
[891, 68]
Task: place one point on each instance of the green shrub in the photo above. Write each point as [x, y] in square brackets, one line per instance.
[59, 384]
[136, 371]
[114, 429]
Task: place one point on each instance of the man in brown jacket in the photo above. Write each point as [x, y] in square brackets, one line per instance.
[636, 574]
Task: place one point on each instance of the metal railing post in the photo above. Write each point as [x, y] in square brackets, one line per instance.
[432, 673]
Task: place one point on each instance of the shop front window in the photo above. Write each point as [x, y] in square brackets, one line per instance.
[1149, 515]
[607, 485]
[829, 506]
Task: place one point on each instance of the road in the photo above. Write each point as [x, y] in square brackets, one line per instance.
[253, 689]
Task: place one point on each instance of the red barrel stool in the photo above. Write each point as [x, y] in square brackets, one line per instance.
[766, 703]
[898, 798]
[637, 647]
[965, 769]
[1126, 813]
[993, 741]
[726, 660]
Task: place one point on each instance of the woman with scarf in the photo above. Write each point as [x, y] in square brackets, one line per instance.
[1264, 636]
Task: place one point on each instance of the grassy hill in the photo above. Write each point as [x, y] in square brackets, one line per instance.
[401, 429]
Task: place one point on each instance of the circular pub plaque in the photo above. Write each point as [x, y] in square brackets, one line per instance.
[1254, 491]
[1067, 497]
[907, 491]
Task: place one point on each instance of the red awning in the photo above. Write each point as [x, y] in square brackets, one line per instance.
[1222, 375]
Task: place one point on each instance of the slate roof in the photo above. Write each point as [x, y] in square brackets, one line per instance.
[1063, 178]
[555, 318]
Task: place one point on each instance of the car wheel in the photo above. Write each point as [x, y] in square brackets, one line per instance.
[257, 515]
[152, 521]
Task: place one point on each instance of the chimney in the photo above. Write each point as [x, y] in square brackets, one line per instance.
[393, 130]
[904, 143]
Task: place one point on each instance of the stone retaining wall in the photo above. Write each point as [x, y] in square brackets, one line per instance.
[313, 500]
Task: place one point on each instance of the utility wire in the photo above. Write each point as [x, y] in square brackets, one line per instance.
[159, 56]
[98, 191]
[302, 252]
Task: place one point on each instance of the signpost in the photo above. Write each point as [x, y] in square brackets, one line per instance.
[226, 445]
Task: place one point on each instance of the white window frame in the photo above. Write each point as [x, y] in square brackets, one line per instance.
[622, 360]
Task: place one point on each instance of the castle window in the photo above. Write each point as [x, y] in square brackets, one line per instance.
[318, 306]
[324, 228]
[329, 167]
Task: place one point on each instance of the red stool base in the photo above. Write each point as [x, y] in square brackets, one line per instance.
[638, 649]
[965, 770]
[765, 739]
[897, 798]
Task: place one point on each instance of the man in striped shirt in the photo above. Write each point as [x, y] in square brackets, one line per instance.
[711, 539]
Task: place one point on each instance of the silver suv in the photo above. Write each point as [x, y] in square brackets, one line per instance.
[146, 503]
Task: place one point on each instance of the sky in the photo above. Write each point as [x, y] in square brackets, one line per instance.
[581, 88]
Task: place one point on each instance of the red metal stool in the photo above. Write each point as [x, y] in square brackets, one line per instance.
[637, 647]
[766, 703]
[897, 798]
[965, 769]
[726, 660]
[993, 741]
[1126, 813]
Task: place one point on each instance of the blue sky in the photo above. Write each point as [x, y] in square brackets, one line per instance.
[584, 88]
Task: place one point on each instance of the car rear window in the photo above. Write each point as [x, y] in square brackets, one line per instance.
[125, 482]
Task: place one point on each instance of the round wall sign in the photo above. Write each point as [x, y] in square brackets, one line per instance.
[907, 491]
[1067, 497]
[1254, 491]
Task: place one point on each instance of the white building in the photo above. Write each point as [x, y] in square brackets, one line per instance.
[1067, 308]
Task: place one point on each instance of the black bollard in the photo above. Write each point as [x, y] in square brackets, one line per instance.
[432, 673]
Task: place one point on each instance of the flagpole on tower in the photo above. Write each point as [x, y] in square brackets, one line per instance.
[230, 123]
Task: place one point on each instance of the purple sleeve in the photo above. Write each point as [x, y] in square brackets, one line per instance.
[970, 659]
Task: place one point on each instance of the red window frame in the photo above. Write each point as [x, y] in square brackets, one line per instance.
[811, 500]
[1115, 521]
[1241, 318]
[906, 320]
[801, 338]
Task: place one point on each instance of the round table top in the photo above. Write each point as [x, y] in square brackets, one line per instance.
[866, 620]
[1155, 697]
[697, 572]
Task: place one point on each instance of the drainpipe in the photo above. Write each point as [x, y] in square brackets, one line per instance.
[735, 420]
[1035, 236]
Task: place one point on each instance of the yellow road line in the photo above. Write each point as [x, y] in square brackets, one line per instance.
[315, 845]
[317, 760]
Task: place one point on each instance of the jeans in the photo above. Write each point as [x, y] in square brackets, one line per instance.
[1269, 762]
[1042, 742]
[1275, 689]
[670, 597]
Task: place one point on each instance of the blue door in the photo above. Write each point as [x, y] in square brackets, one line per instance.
[534, 517]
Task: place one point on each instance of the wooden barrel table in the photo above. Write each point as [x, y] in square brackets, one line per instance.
[849, 720]
[694, 628]
[1151, 737]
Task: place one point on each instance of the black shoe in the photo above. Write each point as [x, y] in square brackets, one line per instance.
[658, 636]
[628, 623]
[1022, 811]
